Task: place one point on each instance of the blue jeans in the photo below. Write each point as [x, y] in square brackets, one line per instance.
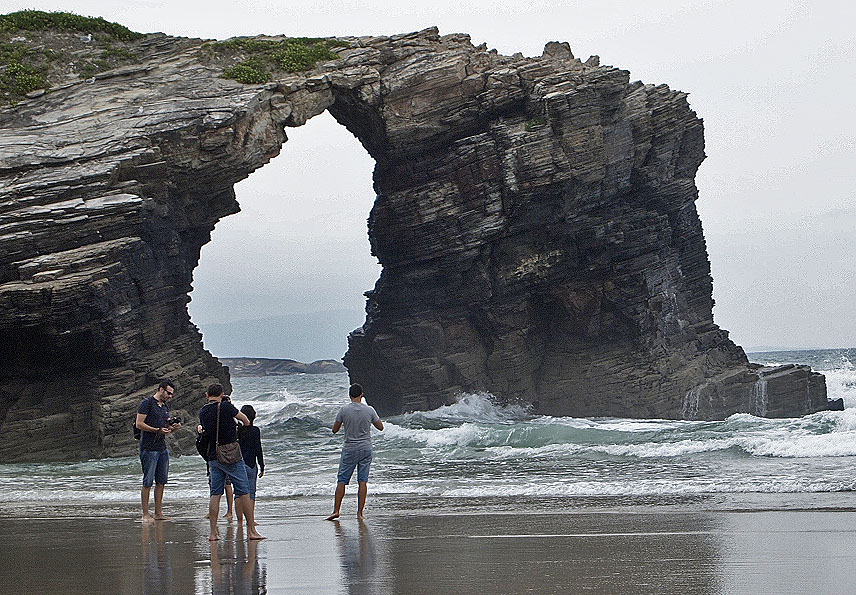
[359, 458]
[237, 472]
[252, 478]
[155, 465]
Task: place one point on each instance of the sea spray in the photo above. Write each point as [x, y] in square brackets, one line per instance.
[689, 407]
[759, 396]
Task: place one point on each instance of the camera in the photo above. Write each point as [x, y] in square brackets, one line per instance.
[173, 420]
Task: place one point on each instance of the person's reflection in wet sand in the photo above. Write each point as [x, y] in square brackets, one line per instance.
[356, 556]
[157, 572]
[250, 574]
[235, 568]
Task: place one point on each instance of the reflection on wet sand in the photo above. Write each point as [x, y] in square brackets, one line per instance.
[157, 572]
[637, 551]
[235, 567]
[357, 556]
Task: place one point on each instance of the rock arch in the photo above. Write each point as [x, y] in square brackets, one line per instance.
[535, 220]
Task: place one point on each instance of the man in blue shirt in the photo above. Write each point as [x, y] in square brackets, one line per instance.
[153, 423]
[358, 418]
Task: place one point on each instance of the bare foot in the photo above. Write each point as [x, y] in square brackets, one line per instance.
[161, 517]
[332, 517]
[360, 517]
[214, 537]
[148, 518]
[254, 535]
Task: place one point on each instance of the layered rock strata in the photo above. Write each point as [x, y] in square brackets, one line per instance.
[535, 220]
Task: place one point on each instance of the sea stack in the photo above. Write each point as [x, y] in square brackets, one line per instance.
[535, 219]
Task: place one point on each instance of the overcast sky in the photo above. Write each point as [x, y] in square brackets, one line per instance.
[773, 81]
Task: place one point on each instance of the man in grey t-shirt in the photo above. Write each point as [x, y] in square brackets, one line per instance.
[358, 419]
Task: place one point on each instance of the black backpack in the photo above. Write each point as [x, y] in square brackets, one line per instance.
[203, 444]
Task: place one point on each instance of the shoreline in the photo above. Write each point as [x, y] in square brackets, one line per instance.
[184, 507]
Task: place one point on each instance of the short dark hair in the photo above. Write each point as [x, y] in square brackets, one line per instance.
[355, 391]
[166, 383]
[215, 390]
[249, 412]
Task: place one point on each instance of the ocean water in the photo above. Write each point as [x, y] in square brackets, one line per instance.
[477, 453]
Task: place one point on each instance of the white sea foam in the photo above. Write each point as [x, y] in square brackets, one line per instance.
[664, 449]
[647, 487]
[614, 424]
[842, 384]
[463, 435]
[838, 444]
[477, 407]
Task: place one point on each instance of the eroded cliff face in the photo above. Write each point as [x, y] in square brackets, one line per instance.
[535, 220]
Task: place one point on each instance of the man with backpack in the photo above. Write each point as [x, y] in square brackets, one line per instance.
[153, 421]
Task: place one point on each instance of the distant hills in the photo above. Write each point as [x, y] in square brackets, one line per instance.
[259, 366]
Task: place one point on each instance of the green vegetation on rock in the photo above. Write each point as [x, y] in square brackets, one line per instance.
[38, 49]
[534, 123]
[264, 57]
[22, 70]
[37, 20]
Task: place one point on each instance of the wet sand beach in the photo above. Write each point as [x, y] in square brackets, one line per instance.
[654, 550]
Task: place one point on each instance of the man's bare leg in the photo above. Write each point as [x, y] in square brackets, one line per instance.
[362, 492]
[249, 514]
[230, 498]
[159, 516]
[144, 500]
[337, 503]
[213, 512]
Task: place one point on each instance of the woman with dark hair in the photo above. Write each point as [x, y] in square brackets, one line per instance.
[250, 439]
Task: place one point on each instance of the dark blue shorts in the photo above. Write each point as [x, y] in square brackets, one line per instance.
[155, 465]
[236, 472]
[359, 458]
[252, 478]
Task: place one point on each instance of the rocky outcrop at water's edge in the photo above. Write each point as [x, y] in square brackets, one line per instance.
[262, 366]
[535, 219]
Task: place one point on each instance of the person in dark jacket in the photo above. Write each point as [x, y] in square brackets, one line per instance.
[250, 439]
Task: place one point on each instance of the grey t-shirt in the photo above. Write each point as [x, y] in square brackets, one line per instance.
[357, 418]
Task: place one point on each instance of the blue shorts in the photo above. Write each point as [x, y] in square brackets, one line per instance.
[155, 465]
[359, 458]
[237, 472]
[252, 478]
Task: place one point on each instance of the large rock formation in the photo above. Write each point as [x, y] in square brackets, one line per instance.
[535, 220]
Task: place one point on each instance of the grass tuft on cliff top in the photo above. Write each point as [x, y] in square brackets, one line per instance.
[37, 20]
[262, 58]
[40, 48]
